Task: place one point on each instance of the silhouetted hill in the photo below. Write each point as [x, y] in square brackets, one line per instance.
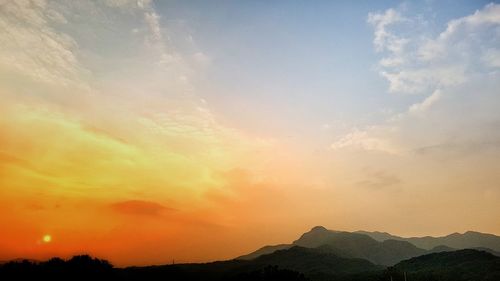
[316, 261]
[293, 264]
[461, 265]
[317, 264]
[469, 239]
[495, 253]
[81, 267]
[215, 271]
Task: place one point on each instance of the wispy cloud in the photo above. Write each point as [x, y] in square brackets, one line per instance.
[32, 46]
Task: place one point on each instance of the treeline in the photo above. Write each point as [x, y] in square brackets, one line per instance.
[81, 267]
[85, 267]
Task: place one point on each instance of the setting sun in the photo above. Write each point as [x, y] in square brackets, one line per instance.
[47, 238]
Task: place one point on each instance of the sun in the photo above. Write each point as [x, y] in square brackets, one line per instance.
[47, 238]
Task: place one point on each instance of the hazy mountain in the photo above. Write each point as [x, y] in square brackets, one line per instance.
[264, 251]
[469, 239]
[349, 245]
[458, 265]
[379, 236]
[358, 245]
[441, 248]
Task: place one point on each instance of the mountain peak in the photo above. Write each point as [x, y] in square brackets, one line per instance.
[319, 228]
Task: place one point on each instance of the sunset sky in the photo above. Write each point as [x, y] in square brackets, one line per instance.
[146, 131]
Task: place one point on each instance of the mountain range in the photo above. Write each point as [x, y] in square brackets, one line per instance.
[383, 248]
[469, 239]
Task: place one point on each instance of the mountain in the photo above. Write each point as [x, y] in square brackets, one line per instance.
[469, 239]
[495, 253]
[379, 236]
[362, 246]
[312, 261]
[264, 251]
[461, 265]
[349, 245]
[441, 248]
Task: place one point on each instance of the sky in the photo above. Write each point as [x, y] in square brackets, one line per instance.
[149, 131]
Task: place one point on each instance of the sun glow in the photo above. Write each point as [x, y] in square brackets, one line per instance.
[47, 238]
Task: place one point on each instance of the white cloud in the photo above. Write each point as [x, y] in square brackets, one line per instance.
[415, 63]
[456, 72]
[366, 140]
[426, 104]
[153, 20]
[422, 80]
[385, 40]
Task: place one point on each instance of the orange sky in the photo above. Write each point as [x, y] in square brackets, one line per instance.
[122, 155]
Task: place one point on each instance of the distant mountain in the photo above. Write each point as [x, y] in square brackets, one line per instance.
[379, 236]
[461, 265]
[469, 239]
[349, 245]
[264, 251]
[362, 246]
[441, 248]
[382, 247]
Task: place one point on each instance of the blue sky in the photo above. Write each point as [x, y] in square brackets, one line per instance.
[312, 61]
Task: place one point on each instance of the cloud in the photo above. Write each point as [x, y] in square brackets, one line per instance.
[418, 63]
[30, 45]
[491, 58]
[140, 207]
[419, 108]
[459, 30]
[88, 105]
[458, 84]
[423, 80]
[366, 140]
[384, 39]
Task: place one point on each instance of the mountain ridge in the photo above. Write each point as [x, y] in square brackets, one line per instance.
[468, 239]
[382, 247]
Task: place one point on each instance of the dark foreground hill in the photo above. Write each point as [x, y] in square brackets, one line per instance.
[461, 265]
[294, 264]
[302, 263]
[322, 260]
